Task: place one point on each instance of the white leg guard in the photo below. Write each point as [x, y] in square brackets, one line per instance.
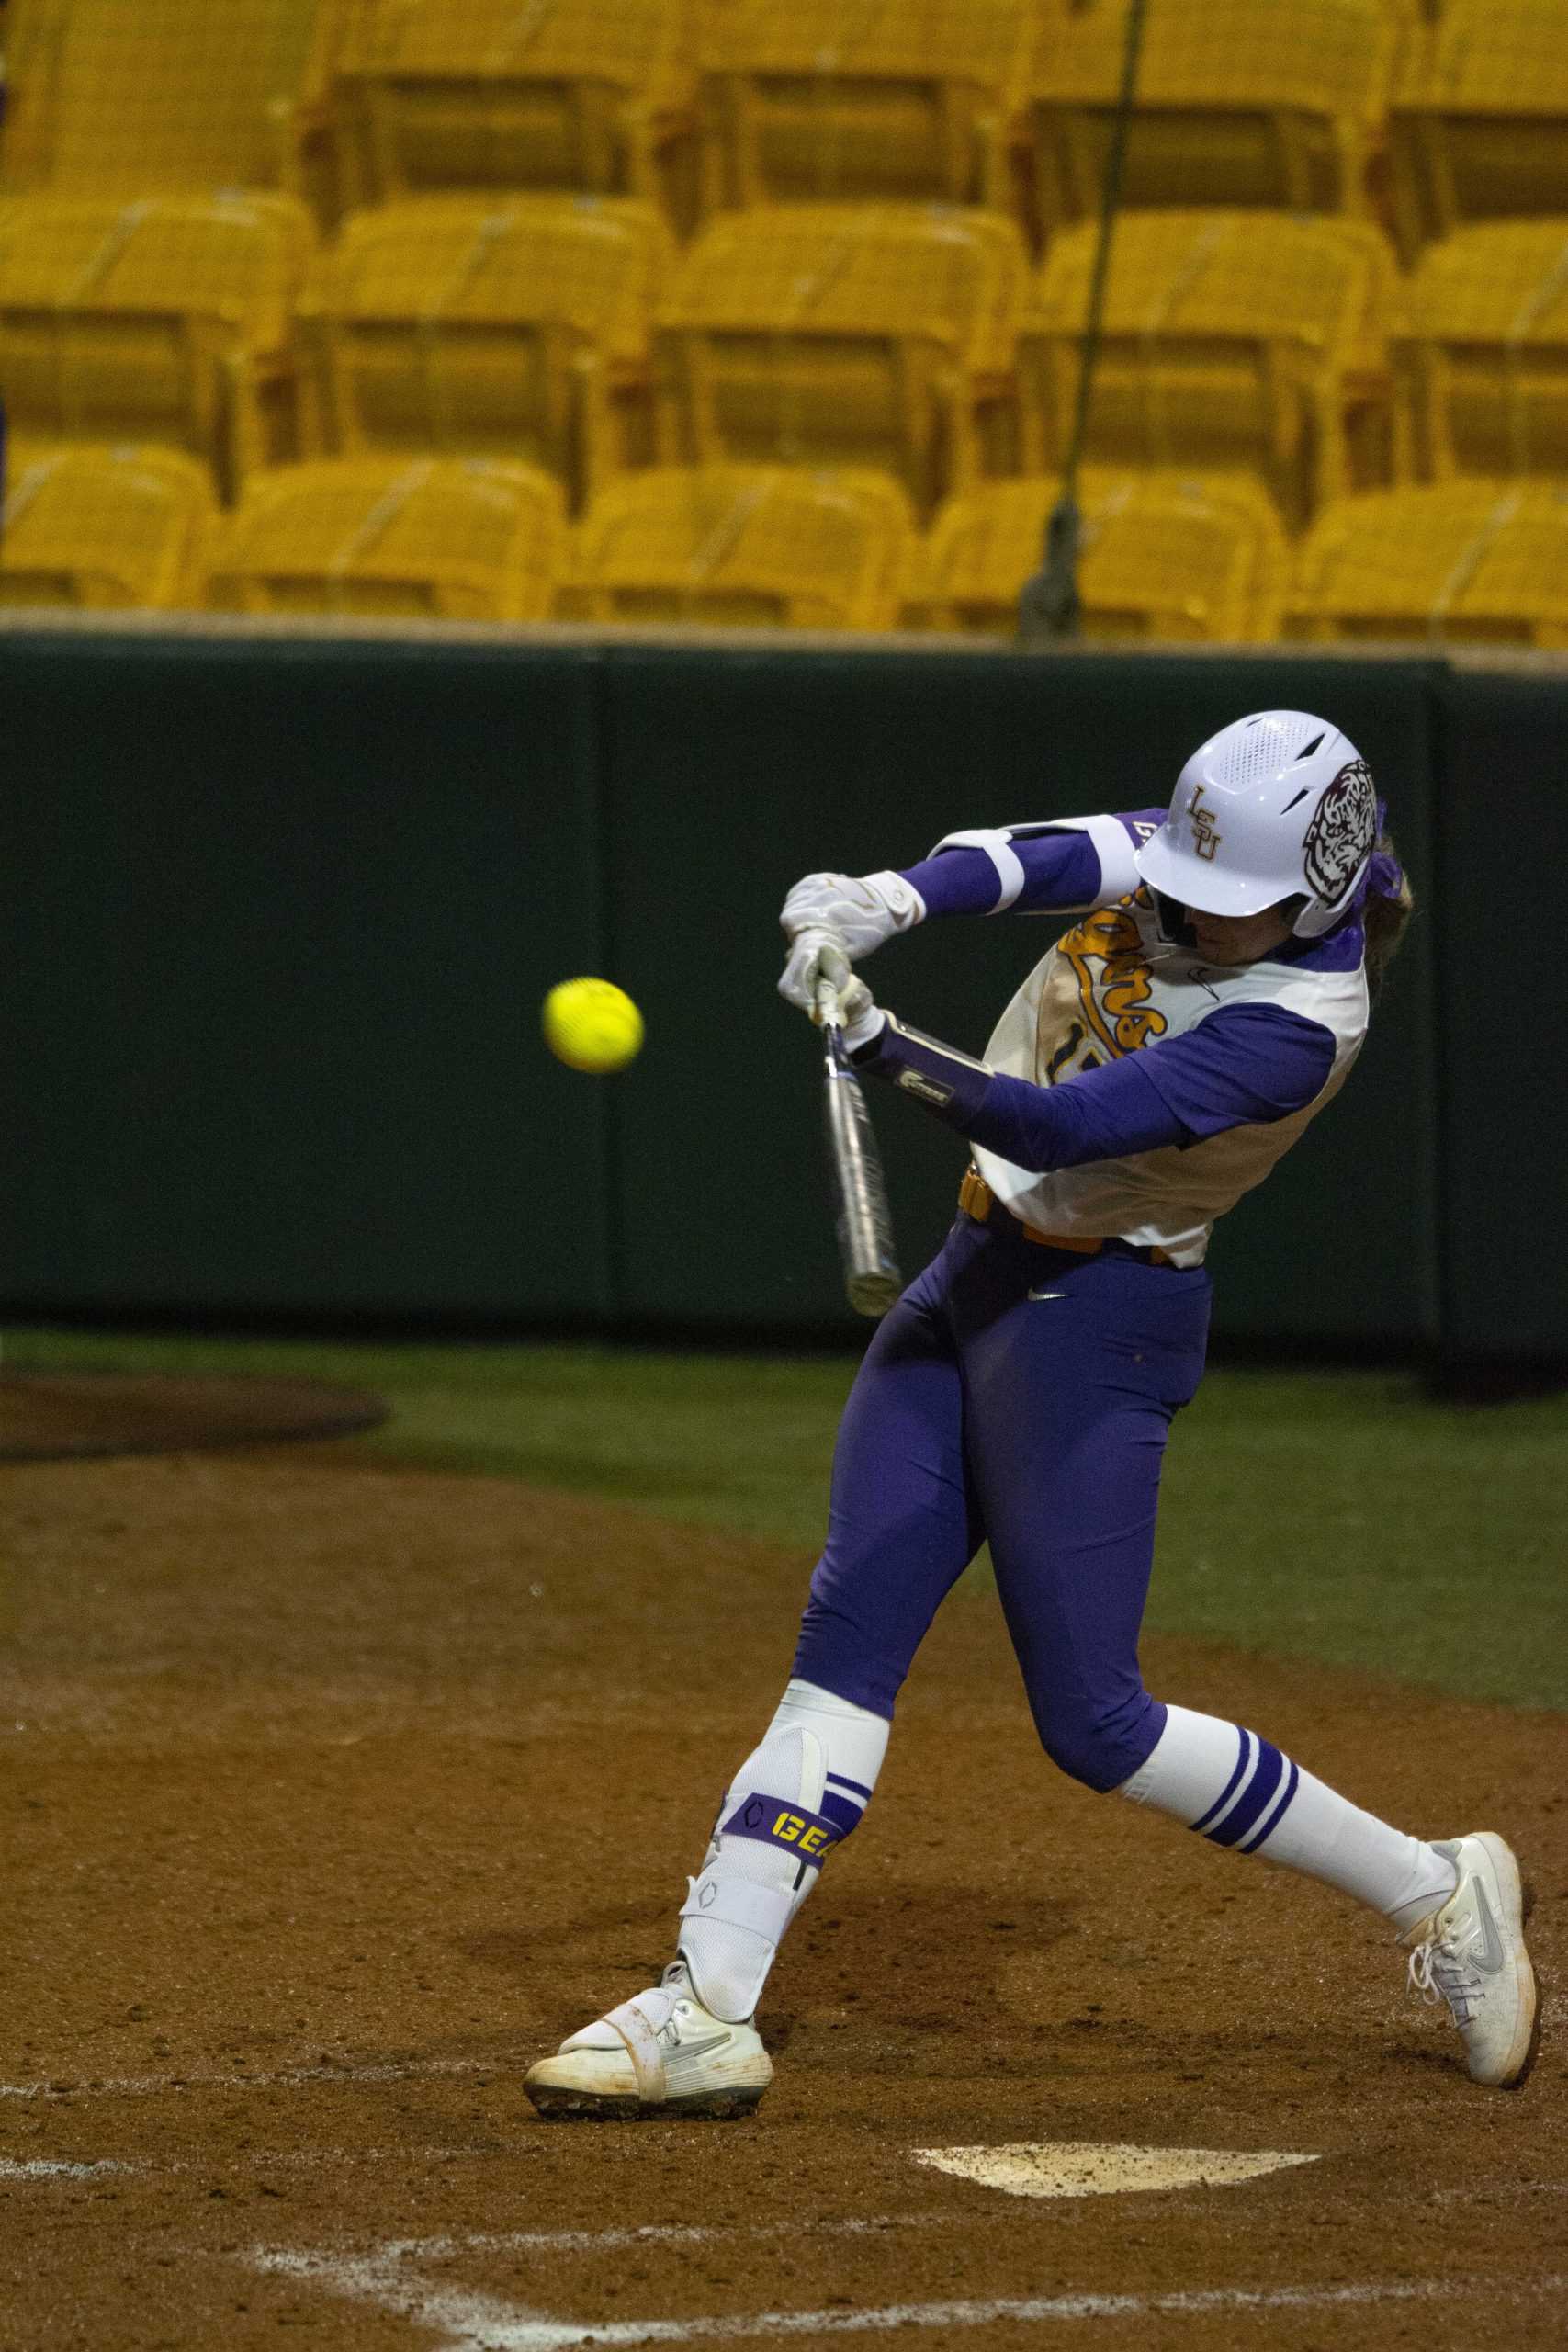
[801, 1790]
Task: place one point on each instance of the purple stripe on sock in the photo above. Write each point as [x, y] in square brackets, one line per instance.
[842, 1810]
[1271, 1821]
[1230, 1786]
[842, 1781]
[1254, 1799]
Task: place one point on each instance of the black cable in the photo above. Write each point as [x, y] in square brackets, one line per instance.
[1048, 606]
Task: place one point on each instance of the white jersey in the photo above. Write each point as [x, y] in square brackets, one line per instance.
[1112, 985]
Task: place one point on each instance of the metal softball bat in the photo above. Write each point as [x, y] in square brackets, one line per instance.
[872, 1280]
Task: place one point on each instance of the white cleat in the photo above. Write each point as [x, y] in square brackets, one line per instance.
[1471, 1953]
[660, 2053]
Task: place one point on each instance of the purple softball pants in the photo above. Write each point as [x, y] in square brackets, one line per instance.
[1019, 1396]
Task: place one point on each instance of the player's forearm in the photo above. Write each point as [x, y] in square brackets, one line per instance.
[987, 873]
[1245, 1065]
[1036, 1127]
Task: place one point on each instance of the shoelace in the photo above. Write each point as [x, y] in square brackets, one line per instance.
[677, 2024]
[650, 2002]
[1438, 1973]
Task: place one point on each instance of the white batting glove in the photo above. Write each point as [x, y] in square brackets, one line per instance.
[839, 915]
[838, 996]
[845, 1002]
[860, 1019]
[817, 973]
[864, 911]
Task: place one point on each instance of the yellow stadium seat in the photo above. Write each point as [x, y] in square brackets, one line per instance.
[1162, 555]
[428, 538]
[1245, 102]
[1231, 339]
[1479, 125]
[518, 329]
[1481, 354]
[513, 94]
[842, 334]
[129, 97]
[109, 527]
[168, 318]
[824, 100]
[744, 545]
[1452, 562]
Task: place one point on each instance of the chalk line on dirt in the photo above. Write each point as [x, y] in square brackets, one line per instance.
[251, 2160]
[444, 2249]
[474, 2321]
[61, 2167]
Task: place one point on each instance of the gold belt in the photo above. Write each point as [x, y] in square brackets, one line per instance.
[976, 1199]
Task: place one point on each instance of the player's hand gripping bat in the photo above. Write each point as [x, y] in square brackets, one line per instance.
[872, 1280]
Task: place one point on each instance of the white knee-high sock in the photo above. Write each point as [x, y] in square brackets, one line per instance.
[802, 1790]
[1239, 1790]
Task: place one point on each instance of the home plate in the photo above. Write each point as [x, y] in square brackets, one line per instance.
[1095, 2168]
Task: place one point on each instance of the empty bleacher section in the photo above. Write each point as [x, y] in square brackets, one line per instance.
[1452, 562]
[1479, 118]
[760, 291]
[1481, 354]
[168, 317]
[744, 545]
[829, 99]
[103, 527]
[1164, 556]
[1240, 102]
[1229, 341]
[420, 538]
[514, 328]
[126, 96]
[839, 333]
[511, 95]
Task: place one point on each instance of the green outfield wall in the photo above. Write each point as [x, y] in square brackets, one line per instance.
[279, 910]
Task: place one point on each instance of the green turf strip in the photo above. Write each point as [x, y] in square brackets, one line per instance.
[1340, 1517]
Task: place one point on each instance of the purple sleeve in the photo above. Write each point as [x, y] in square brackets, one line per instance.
[957, 882]
[1245, 1065]
[1060, 870]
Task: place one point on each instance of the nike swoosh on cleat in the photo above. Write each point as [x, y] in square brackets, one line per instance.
[1047, 1294]
[1488, 1950]
[700, 2049]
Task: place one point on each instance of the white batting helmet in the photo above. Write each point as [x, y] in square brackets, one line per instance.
[1278, 805]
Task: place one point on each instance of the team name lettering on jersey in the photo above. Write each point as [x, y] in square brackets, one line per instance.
[1108, 961]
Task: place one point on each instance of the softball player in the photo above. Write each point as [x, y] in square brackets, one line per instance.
[1210, 998]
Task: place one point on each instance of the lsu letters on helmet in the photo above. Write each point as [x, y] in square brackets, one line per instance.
[1278, 805]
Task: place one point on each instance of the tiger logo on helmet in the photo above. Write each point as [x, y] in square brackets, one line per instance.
[1343, 830]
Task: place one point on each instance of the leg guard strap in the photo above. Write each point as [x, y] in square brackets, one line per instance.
[640, 2034]
[790, 1826]
[758, 1910]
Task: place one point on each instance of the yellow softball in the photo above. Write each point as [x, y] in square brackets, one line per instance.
[591, 1025]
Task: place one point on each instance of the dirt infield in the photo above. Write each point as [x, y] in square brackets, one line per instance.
[332, 1794]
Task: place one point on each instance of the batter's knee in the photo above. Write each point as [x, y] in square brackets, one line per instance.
[1102, 1747]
